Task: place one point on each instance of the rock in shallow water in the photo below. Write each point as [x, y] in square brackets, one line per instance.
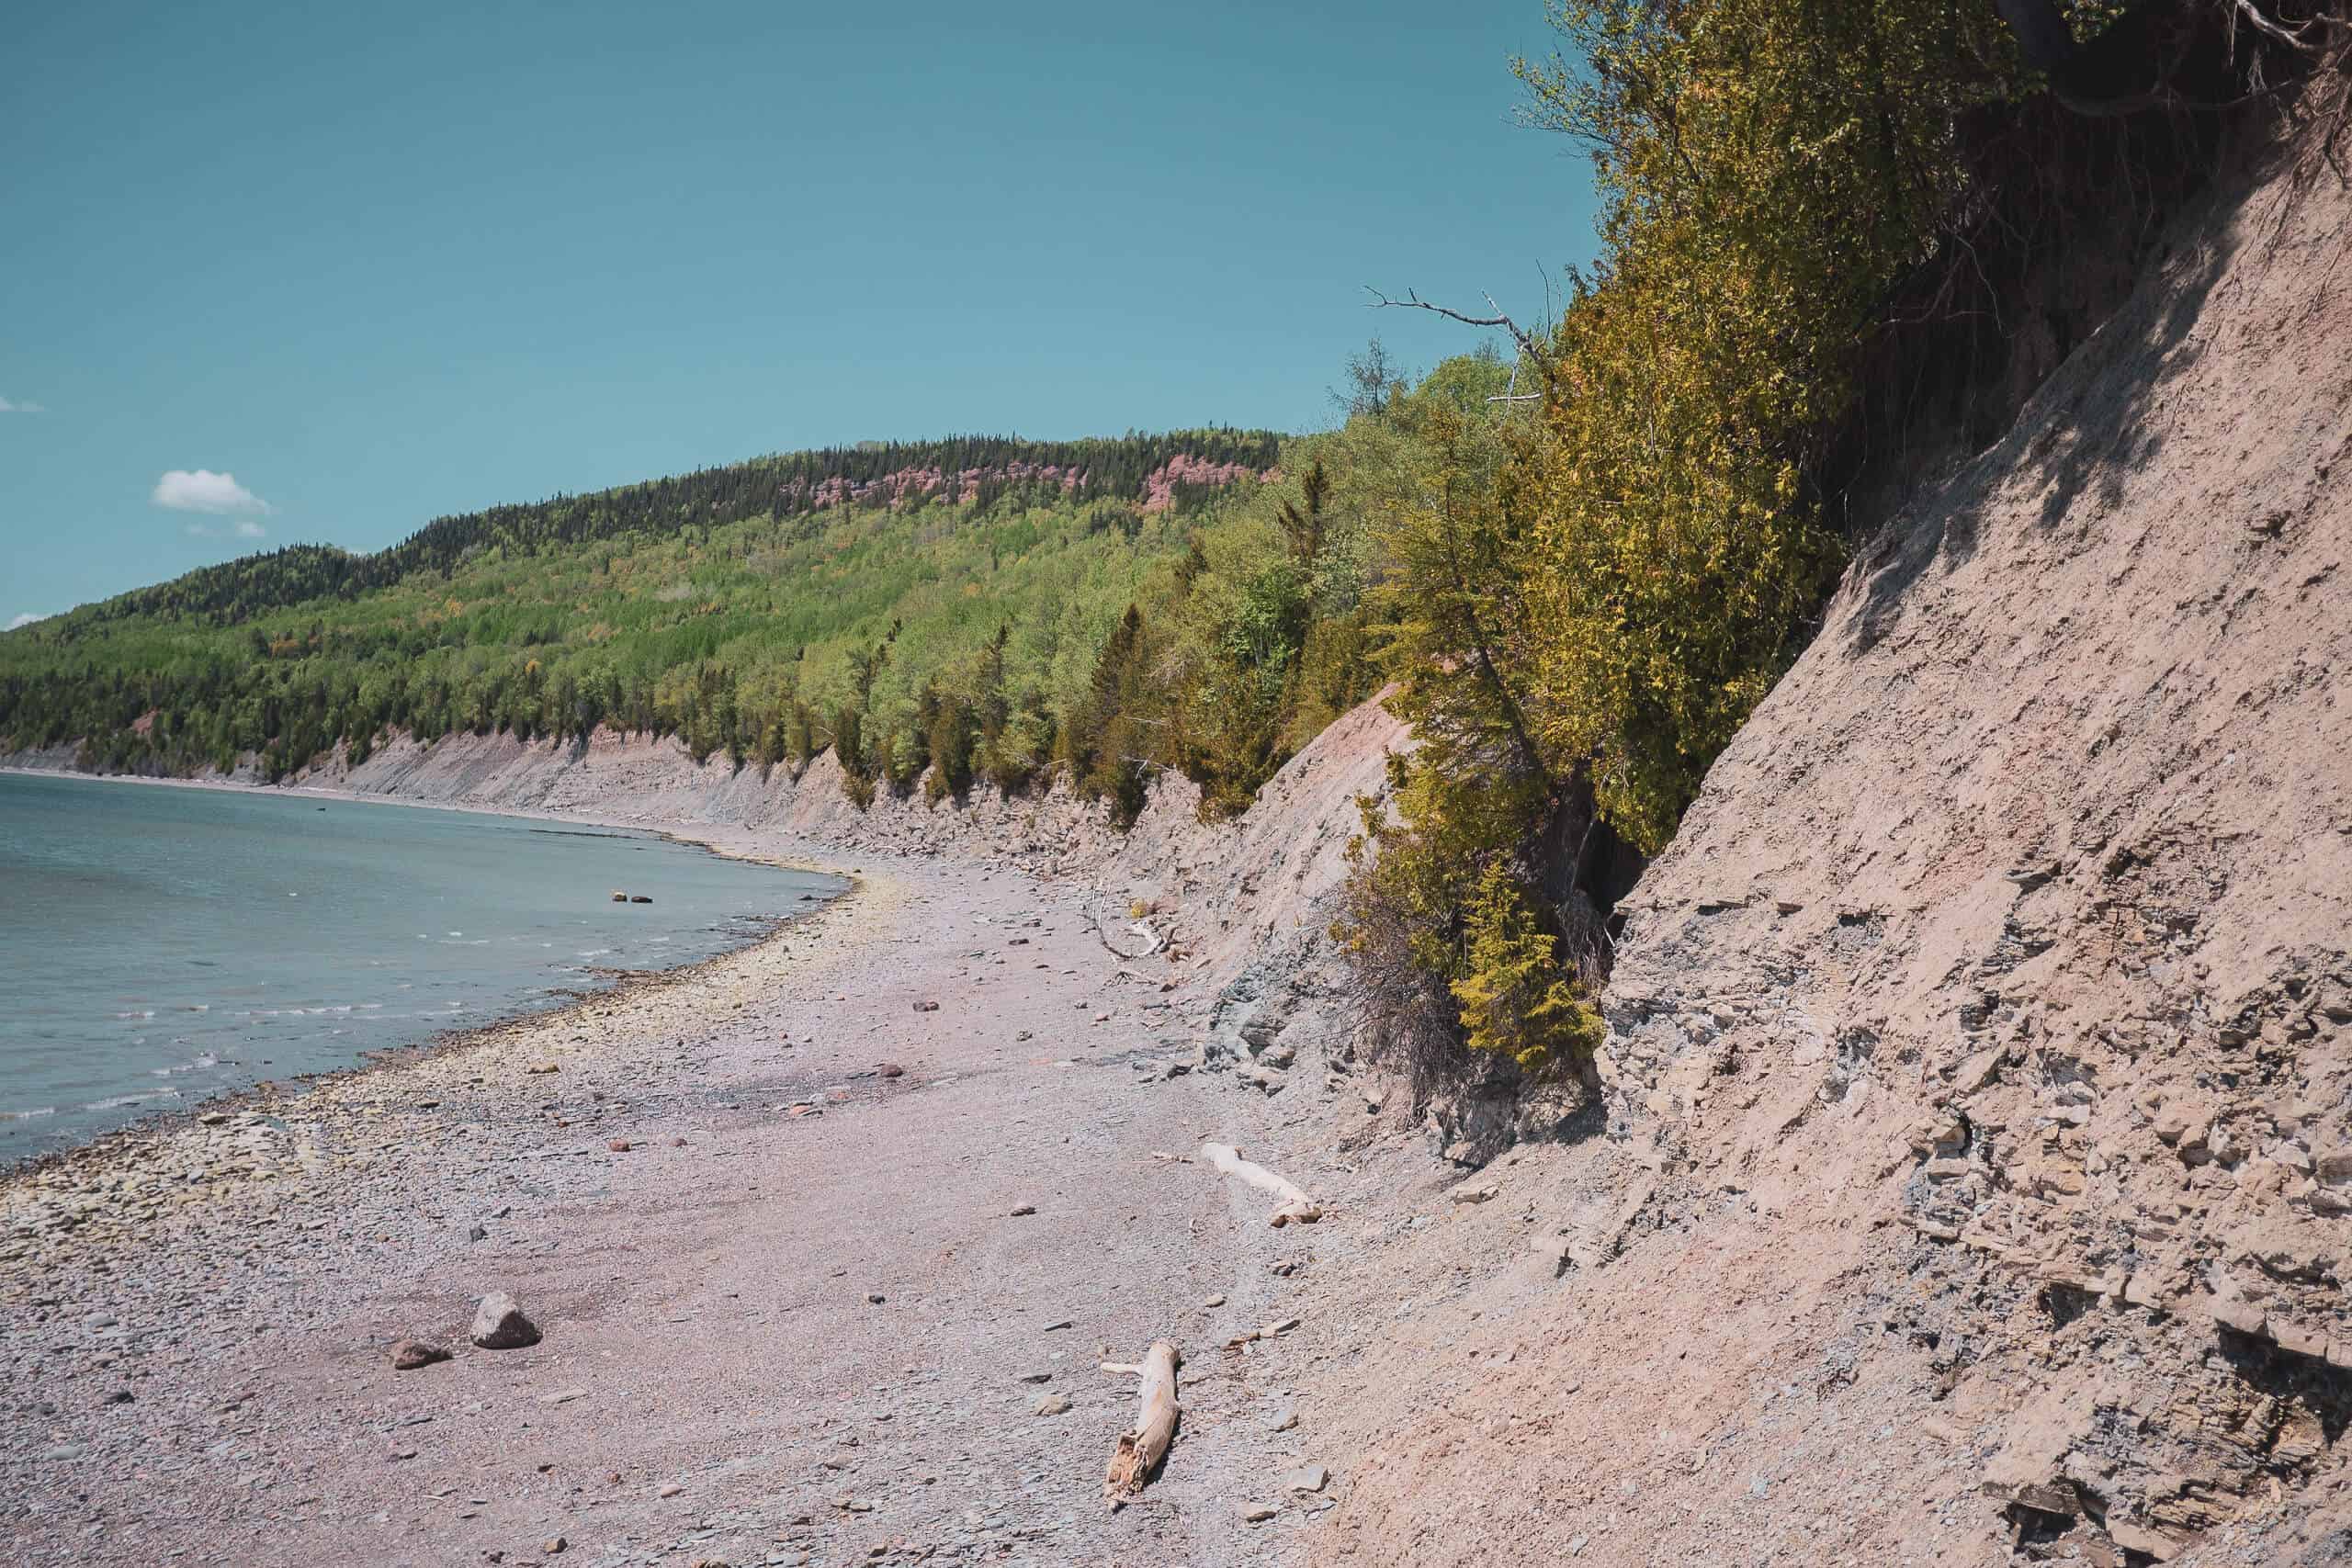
[499, 1323]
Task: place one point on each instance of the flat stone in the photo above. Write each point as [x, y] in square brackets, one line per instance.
[1285, 1416]
[411, 1354]
[564, 1396]
[1256, 1513]
[499, 1323]
[1307, 1478]
[2243, 1316]
[1053, 1405]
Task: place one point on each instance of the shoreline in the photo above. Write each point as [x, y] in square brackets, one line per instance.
[626, 984]
[699, 1192]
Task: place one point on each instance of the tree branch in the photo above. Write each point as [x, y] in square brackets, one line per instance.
[1413, 301]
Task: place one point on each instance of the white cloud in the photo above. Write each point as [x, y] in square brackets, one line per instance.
[249, 529]
[7, 407]
[24, 621]
[201, 489]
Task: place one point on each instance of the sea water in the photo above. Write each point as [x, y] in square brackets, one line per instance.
[159, 944]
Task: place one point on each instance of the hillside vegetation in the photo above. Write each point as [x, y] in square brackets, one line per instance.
[1827, 234]
[1192, 599]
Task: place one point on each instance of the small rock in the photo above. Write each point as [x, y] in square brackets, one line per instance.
[874, 1298]
[891, 1070]
[1051, 1405]
[671, 1489]
[1213, 1301]
[411, 1354]
[1285, 1418]
[476, 1233]
[1278, 1326]
[1256, 1513]
[564, 1396]
[926, 1007]
[499, 1323]
[543, 1067]
[1478, 1194]
[1037, 1377]
[618, 1145]
[640, 898]
[1307, 1478]
[553, 1546]
[1024, 1210]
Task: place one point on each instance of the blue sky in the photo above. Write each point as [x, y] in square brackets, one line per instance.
[279, 273]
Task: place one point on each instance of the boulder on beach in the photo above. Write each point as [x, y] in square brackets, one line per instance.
[499, 1323]
[411, 1354]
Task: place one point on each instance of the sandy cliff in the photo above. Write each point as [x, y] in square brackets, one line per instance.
[1977, 1171]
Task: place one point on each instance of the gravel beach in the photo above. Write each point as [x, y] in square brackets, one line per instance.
[823, 1274]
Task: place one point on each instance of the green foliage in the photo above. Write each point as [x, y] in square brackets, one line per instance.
[1584, 605]
[1517, 997]
[651, 610]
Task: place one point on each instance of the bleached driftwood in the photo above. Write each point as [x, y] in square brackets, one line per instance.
[1138, 1452]
[1297, 1208]
[1153, 939]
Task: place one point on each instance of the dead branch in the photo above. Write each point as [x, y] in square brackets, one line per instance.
[1413, 301]
[1297, 1208]
[1155, 940]
[1138, 1452]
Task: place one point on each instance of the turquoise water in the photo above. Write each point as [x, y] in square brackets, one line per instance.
[160, 945]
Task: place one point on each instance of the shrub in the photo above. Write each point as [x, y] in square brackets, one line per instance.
[1517, 997]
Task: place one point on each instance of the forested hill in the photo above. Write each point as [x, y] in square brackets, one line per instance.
[979, 601]
[983, 470]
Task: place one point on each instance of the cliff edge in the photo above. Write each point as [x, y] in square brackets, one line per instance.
[1977, 1177]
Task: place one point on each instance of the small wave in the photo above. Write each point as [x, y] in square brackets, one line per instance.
[138, 1012]
[116, 1102]
[27, 1115]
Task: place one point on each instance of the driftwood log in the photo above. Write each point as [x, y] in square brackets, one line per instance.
[1138, 1452]
[1296, 1207]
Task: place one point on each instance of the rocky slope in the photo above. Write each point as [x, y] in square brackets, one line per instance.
[1977, 1181]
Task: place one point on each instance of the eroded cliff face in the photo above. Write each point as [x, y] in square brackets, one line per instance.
[1978, 1175]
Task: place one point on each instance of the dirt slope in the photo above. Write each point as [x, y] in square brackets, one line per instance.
[1978, 1144]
